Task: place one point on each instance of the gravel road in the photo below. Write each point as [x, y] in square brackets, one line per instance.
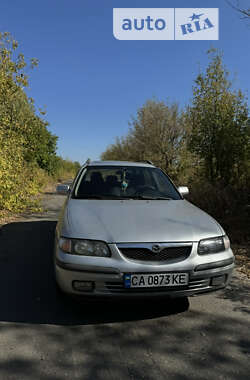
[46, 337]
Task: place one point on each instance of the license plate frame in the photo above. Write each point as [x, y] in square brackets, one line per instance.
[155, 280]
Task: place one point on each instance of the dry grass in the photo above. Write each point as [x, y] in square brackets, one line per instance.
[242, 254]
[9, 216]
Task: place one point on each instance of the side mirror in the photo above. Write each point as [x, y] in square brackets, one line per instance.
[63, 189]
[183, 190]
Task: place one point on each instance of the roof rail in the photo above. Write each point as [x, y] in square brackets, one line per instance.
[148, 162]
[87, 162]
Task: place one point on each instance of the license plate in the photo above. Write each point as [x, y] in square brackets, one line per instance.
[155, 280]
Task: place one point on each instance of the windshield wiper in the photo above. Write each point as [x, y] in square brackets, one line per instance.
[150, 198]
[96, 196]
[163, 199]
[111, 196]
[89, 196]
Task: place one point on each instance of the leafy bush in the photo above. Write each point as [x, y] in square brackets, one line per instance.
[18, 179]
[227, 204]
[65, 169]
[28, 149]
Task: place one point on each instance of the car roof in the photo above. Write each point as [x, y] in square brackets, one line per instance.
[120, 163]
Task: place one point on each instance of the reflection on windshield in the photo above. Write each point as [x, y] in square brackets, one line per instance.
[131, 182]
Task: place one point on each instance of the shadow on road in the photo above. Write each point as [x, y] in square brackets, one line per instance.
[62, 340]
[27, 286]
[239, 293]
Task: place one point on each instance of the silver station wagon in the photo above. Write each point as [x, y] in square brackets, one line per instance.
[126, 231]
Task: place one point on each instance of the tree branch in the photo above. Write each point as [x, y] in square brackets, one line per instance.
[244, 12]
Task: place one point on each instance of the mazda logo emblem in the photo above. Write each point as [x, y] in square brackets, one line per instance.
[156, 248]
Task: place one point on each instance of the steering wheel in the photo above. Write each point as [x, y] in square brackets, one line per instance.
[144, 188]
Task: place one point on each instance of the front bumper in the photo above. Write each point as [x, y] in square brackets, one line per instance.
[206, 274]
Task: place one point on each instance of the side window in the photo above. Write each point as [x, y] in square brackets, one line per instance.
[163, 184]
[149, 178]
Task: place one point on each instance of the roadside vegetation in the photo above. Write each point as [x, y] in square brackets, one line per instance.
[205, 146]
[28, 159]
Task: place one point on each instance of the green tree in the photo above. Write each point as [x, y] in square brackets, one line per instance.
[17, 111]
[156, 134]
[25, 142]
[219, 123]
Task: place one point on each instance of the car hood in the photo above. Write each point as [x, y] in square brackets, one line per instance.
[116, 221]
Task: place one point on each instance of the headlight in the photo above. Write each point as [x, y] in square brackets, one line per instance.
[84, 247]
[213, 245]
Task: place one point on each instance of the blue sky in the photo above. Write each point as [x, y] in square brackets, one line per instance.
[91, 84]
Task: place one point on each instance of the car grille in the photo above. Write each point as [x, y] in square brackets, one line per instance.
[118, 287]
[169, 254]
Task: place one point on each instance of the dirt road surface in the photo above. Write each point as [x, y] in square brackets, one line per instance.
[45, 337]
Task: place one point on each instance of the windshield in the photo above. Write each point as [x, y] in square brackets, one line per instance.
[124, 182]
